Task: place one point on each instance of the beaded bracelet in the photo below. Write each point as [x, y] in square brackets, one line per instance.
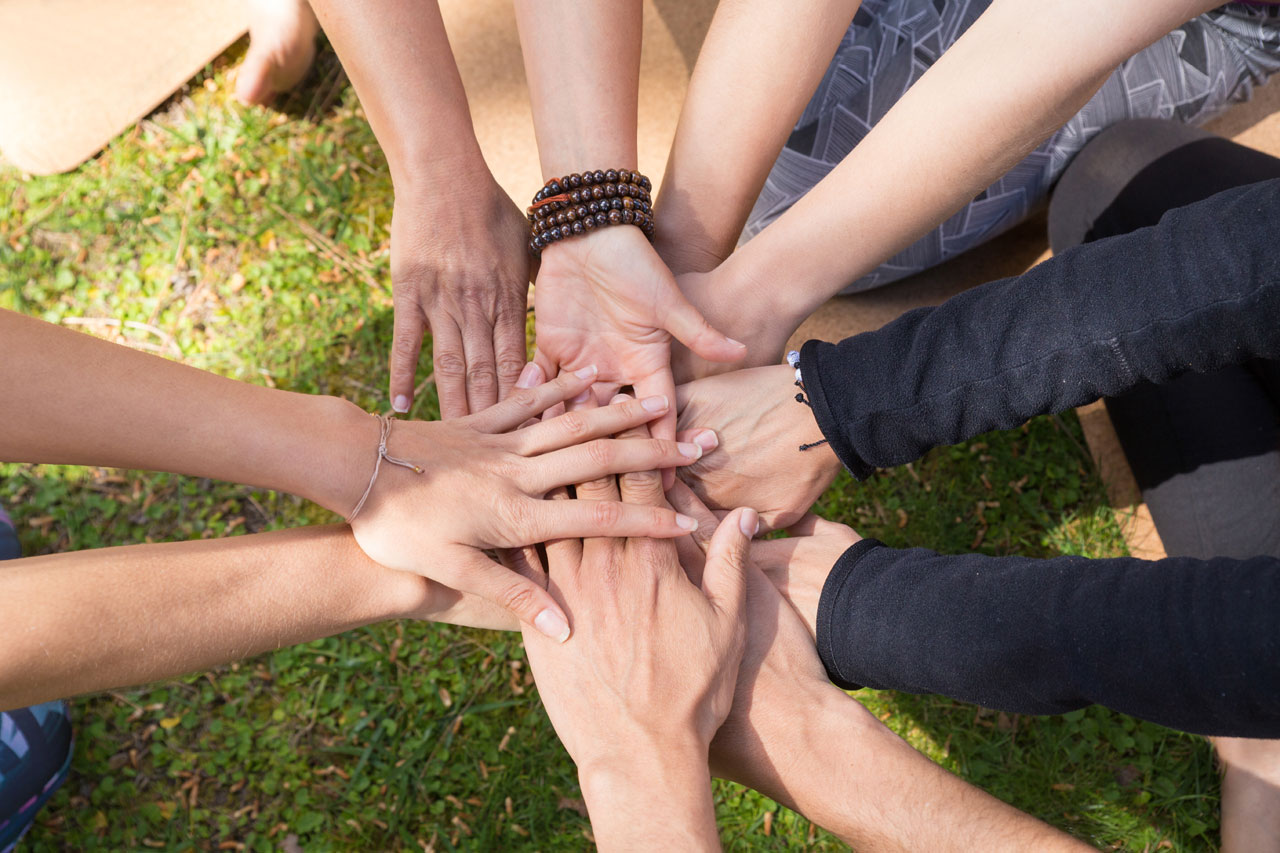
[578, 203]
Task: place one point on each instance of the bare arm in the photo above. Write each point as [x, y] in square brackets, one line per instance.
[92, 620]
[603, 297]
[1014, 77]
[458, 257]
[469, 484]
[758, 67]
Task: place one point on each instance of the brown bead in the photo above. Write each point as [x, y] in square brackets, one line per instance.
[624, 175]
[602, 219]
[616, 204]
[594, 207]
[575, 180]
[645, 184]
[581, 210]
[589, 223]
[628, 204]
[597, 192]
[576, 228]
[575, 196]
[627, 217]
[615, 217]
[553, 187]
[598, 176]
[611, 175]
[610, 191]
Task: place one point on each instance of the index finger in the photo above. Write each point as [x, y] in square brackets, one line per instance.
[661, 383]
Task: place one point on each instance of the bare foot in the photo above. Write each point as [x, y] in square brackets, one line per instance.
[282, 44]
[1250, 794]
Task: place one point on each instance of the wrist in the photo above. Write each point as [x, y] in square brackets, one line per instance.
[771, 302]
[433, 174]
[623, 790]
[335, 457]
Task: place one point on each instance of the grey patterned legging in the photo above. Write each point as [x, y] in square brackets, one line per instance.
[1190, 75]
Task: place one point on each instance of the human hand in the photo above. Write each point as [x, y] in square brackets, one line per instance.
[798, 565]
[648, 678]
[460, 265]
[745, 309]
[780, 672]
[760, 427]
[605, 298]
[481, 488]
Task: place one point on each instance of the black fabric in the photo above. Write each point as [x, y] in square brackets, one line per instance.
[1185, 642]
[1204, 447]
[1191, 644]
[1199, 291]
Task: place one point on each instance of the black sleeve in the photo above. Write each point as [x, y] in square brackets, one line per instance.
[1190, 644]
[1198, 291]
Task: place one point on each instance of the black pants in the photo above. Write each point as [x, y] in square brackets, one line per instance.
[1205, 447]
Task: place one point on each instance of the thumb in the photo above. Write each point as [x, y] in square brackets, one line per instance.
[527, 600]
[724, 578]
[687, 325]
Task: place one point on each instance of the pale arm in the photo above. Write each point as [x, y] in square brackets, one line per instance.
[758, 67]
[1017, 75]
[92, 620]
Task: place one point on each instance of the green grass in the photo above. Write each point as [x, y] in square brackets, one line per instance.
[254, 244]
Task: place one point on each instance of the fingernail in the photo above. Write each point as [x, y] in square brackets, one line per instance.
[530, 376]
[618, 398]
[684, 522]
[583, 397]
[707, 440]
[689, 450]
[400, 403]
[654, 404]
[551, 624]
[749, 522]
[738, 344]
[586, 372]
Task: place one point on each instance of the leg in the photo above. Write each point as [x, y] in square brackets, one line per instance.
[282, 45]
[1205, 448]
[35, 746]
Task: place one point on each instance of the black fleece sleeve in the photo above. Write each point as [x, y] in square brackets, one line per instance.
[1191, 644]
[1198, 291]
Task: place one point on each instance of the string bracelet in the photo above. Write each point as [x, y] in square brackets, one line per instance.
[580, 203]
[793, 359]
[384, 433]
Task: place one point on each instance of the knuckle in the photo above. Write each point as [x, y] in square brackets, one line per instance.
[606, 514]
[600, 451]
[510, 368]
[481, 377]
[642, 483]
[520, 515]
[659, 449]
[573, 424]
[450, 365]
[517, 597]
[406, 346]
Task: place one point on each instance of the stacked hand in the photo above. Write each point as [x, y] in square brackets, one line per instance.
[648, 677]
[460, 265]
[607, 299]
[482, 488]
[760, 427]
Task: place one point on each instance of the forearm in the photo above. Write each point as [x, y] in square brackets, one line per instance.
[1196, 292]
[74, 399]
[93, 620]
[1186, 643]
[583, 65]
[737, 114]
[623, 794]
[399, 59]
[1012, 79]
[860, 788]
